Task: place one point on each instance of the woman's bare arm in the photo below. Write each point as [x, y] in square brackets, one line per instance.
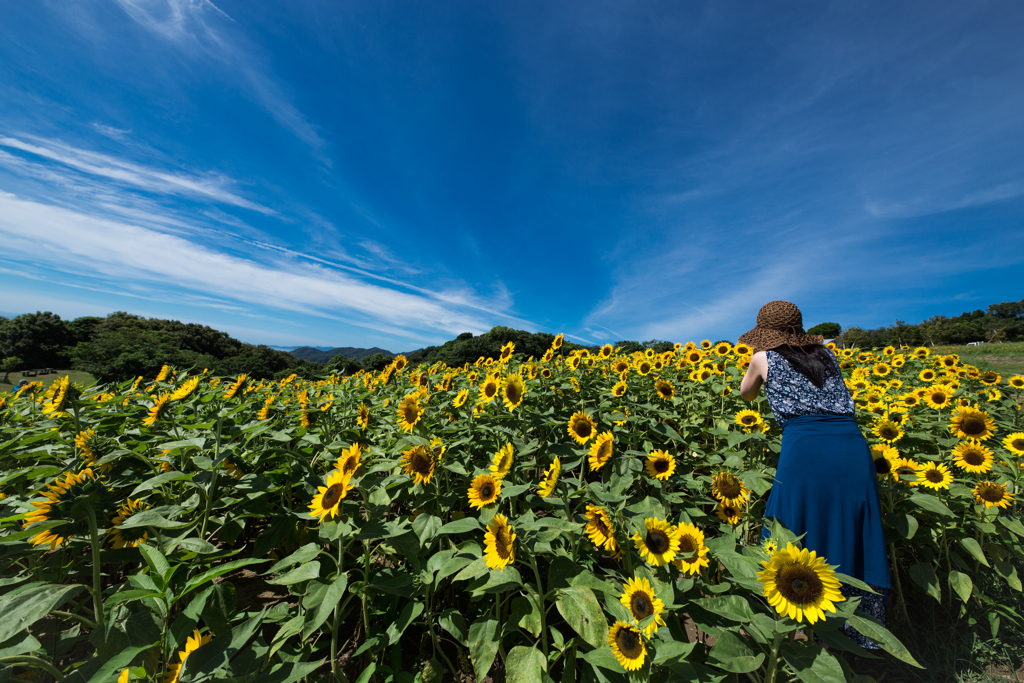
[757, 372]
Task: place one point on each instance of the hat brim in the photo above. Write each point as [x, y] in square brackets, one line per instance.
[764, 339]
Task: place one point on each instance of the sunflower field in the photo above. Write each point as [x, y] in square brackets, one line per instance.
[583, 516]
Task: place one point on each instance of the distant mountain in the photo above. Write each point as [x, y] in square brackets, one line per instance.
[321, 355]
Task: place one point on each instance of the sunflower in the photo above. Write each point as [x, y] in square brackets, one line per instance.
[399, 363]
[799, 584]
[545, 373]
[990, 378]
[748, 419]
[131, 538]
[349, 460]
[638, 597]
[161, 407]
[1017, 382]
[990, 395]
[237, 386]
[194, 642]
[499, 543]
[706, 344]
[927, 375]
[769, 545]
[971, 456]
[881, 369]
[513, 389]
[905, 467]
[556, 343]
[627, 645]
[600, 529]
[57, 397]
[363, 417]
[601, 450]
[728, 513]
[460, 398]
[934, 476]
[729, 490]
[660, 541]
[992, 494]
[502, 463]
[644, 366]
[484, 490]
[264, 413]
[581, 427]
[89, 446]
[327, 502]
[1015, 443]
[887, 430]
[547, 487]
[606, 351]
[62, 497]
[619, 390]
[949, 361]
[489, 388]
[506, 351]
[418, 463]
[185, 390]
[922, 352]
[165, 371]
[664, 389]
[660, 465]
[908, 400]
[692, 551]
[620, 366]
[693, 357]
[884, 457]
[971, 423]
[409, 412]
[437, 448]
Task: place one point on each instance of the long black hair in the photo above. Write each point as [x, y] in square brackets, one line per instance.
[814, 362]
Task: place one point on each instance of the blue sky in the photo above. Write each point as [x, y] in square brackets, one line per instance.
[394, 173]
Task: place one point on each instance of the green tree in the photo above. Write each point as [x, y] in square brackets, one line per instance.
[38, 338]
[826, 330]
[342, 365]
[10, 364]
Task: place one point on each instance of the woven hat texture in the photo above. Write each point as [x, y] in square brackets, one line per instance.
[779, 323]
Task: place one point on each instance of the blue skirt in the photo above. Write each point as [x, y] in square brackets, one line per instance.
[826, 487]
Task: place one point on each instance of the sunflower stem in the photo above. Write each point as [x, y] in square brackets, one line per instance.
[337, 612]
[97, 595]
[773, 660]
[34, 661]
[213, 480]
[540, 605]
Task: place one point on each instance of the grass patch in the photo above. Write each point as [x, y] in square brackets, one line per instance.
[1005, 358]
[83, 378]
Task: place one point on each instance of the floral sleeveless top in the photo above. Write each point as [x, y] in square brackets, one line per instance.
[790, 394]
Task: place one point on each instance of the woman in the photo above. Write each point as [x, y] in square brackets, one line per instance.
[825, 484]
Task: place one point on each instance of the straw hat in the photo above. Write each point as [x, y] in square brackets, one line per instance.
[779, 323]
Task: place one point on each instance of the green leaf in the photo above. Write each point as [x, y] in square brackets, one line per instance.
[197, 546]
[461, 526]
[304, 572]
[886, 640]
[219, 570]
[931, 504]
[300, 556]
[1009, 573]
[426, 527]
[732, 607]
[289, 672]
[397, 628]
[483, 645]
[961, 584]
[812, 663]
[152, 518]
[158, 480]
[904, 525]
[579, 607]
[972, 546]
[218, 653]
[525, 615]
[19, 645]
[316, 617]
[603, 658]
[109, 669]
[525, 665]
[924, 576]
[367, 673]
[1012, 524]
[158, 565]
[25, 608]
[451, 620]
[672, 651]
[732, 654]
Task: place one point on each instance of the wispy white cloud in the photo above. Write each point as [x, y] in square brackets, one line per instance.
[933, 203]
[135, 175]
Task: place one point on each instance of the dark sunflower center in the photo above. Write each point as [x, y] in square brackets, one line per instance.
[927, 375]
[604, 451]
[729, 487]
[349, 466]
[501, 543]
[487, 491]
[972, 425]
[641, 606]
[888, 432]
[661, 466]
[601, 526]
[421, 462]
[629, 644]
[992, 494]
[410, 412]
[1018, 444]
[748, 420]
[799, 584]
[934, 476]
[657, 541]
[582, 428]
[490, 389]
[331, 496]
[688, 546]
[512, 393]
[645, 367]
[973, 457]
[882, 465]
[988, 377]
